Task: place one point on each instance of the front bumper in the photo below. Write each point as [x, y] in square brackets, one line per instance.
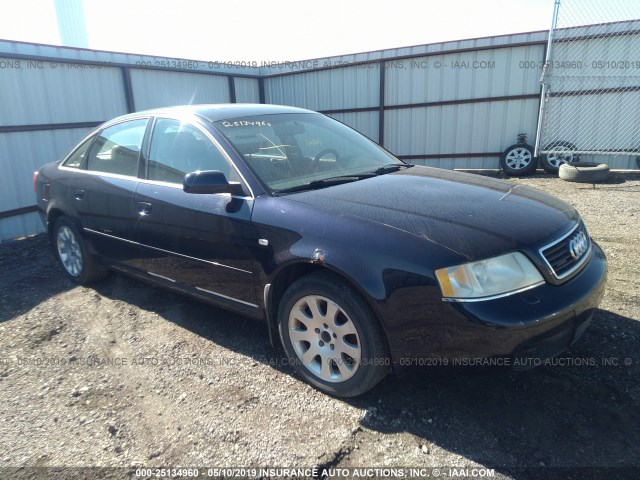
[526, 328]
[531, 326]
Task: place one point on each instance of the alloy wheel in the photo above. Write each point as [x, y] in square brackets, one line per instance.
[557, 159]
[518, 158]
[69, 251]
[324, 338]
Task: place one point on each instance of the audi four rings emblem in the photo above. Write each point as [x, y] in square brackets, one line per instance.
[578, 245]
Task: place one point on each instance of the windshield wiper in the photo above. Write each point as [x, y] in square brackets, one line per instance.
[325, 182]
[392, 167]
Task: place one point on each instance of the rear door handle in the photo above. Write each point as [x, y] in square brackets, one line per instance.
[78, 194]
[144, 208]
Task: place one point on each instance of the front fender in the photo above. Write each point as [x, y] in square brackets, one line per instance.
[392, 269]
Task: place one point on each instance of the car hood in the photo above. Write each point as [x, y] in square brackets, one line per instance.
[475, 216]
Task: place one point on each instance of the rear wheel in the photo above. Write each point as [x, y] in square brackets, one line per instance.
[71, 250]
[331, 336]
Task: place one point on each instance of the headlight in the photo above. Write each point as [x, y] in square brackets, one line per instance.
[501, 275]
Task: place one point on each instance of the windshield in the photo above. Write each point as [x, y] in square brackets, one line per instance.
[289, 151]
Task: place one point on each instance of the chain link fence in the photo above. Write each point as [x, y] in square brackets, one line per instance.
[591, 80]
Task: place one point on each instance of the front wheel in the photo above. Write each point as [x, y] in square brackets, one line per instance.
[331, 336]
[518, 160]
[71, 250]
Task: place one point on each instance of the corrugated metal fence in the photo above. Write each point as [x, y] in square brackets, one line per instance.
[51, 97]
[452, 105]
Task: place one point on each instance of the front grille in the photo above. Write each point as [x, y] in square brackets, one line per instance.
[568, 253]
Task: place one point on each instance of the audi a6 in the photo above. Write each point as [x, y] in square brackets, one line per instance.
[358, 262]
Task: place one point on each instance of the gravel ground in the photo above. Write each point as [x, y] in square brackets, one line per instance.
[125, 375]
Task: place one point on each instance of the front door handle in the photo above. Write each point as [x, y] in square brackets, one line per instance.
[78, 194]
[144, 208]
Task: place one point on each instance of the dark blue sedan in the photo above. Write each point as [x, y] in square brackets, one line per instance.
[358, 262]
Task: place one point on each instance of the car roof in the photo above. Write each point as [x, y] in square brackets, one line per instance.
[222, 111]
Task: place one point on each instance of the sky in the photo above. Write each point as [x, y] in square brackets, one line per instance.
[276, 30]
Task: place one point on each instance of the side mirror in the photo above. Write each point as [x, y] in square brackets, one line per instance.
[210, 181]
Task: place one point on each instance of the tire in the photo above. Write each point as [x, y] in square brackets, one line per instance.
[71, 251]
[518, 160]
[350, 350]
[551, 162]
[584, 172]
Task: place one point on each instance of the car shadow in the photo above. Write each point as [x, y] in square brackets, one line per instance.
[229, 330]
[579, 411]
[29, 275]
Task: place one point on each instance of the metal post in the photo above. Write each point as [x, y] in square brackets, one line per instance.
[232, 89]
[128, 89]
[261, 89]
[381, 104]
[543, 91]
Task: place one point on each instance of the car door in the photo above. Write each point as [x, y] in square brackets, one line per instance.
[199, 241]
[103, 197]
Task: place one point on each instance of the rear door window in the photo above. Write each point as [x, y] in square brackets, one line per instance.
[117, 149]
[77, 157]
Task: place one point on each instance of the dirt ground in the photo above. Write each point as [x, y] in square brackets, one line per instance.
[127, 375]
